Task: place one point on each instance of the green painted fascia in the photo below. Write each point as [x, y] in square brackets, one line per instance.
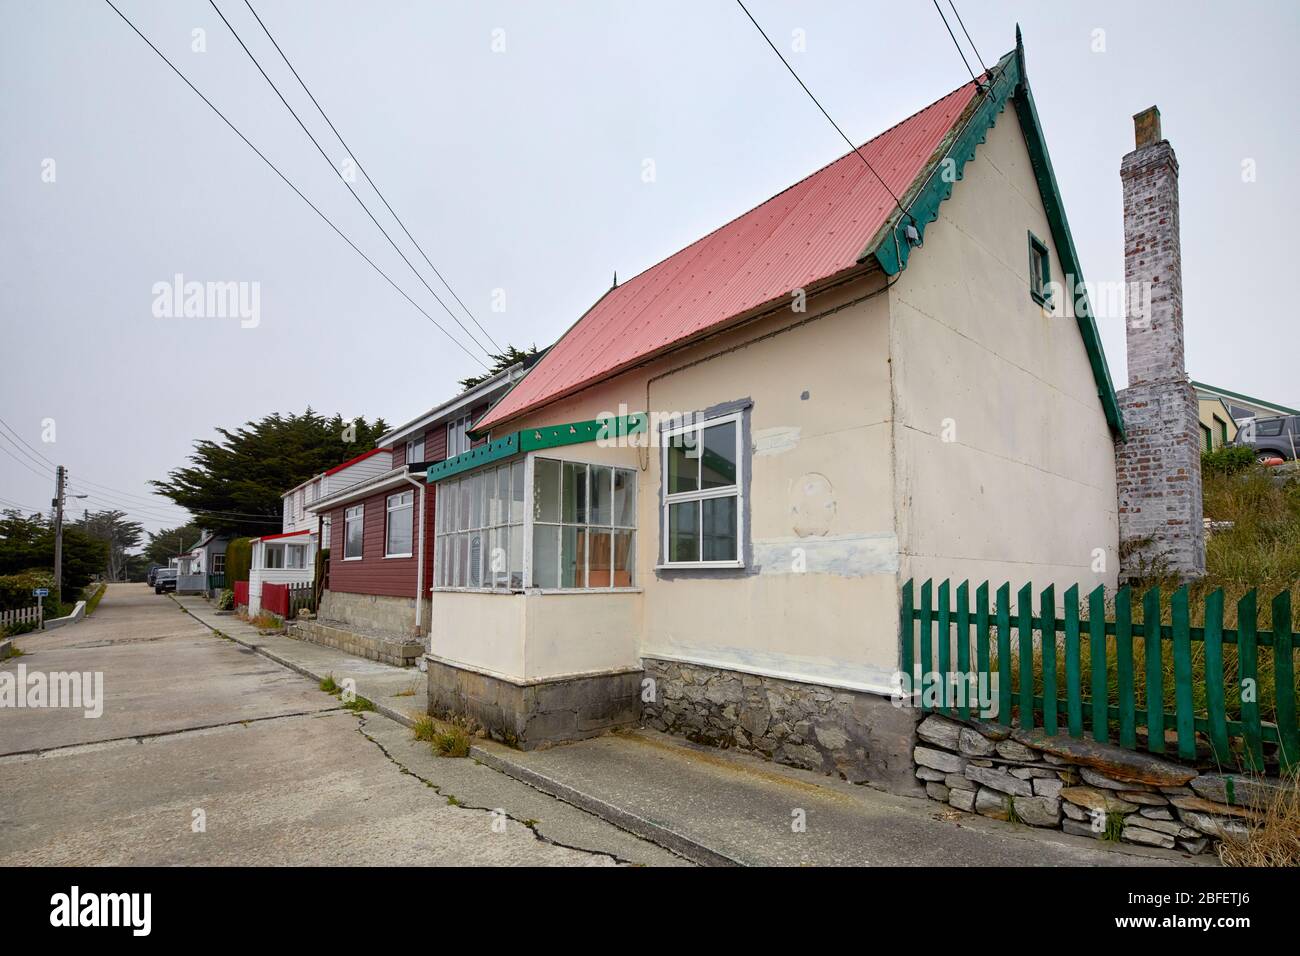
[891, 250]
[531, 439]
[1246, 398]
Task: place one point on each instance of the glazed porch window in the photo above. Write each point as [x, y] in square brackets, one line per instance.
[574, 529]
[353, 539]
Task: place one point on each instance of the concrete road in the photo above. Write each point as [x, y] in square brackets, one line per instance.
[197, 730]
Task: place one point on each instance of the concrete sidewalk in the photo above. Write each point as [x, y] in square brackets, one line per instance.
[718, 807]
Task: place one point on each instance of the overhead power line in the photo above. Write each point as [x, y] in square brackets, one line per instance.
[983, 68]
[373, 185]
[330, 163]
[818, 104]
[329, 222]
[939, 10]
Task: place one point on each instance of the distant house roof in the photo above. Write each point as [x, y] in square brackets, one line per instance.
[1215, 392]
[352, 461]
[460, 403]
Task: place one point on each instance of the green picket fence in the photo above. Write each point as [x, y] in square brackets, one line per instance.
[1105, 674]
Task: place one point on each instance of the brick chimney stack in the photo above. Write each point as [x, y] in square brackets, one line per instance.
[1159, 464]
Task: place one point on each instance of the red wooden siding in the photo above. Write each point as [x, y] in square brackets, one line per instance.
[375, 574]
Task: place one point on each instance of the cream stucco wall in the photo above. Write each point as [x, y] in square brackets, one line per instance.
[1025, 489]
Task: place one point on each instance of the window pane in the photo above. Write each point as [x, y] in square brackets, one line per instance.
[501, 503]
[624, 498]
[485, 502]
[574, 498]
[399, 527]
[499, 558]
[546, 490]
[476, 501]
[546, 545]
[601, 503]
[462, 506]
[517, 492]
[718, 458]
[352, 538]
[439, 563]
[462, 560]
[684, 531]
[598, 572]
[683, 465]
[572, 558]
[623, 558]
[719, 529]
[475, 569]
[516, 556]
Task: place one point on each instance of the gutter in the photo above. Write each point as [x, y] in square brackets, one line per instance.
[419, 556]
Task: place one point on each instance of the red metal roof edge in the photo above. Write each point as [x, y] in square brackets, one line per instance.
[352, 461]
[286, 534]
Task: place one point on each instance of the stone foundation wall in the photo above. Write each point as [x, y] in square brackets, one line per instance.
[1082, 788]
[375, 612]
[388, 649]
[858, 736]
[534, 715]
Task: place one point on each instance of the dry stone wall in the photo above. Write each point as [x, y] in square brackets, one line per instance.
[1082, 788]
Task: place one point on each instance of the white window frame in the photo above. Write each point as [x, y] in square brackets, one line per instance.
[389, 510]
[298, 549]
[736, 491]
[446, 554]
[267, 551]
[458, 436]
[348, 517]
[219, 563]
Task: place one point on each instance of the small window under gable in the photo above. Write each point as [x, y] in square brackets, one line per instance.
[1040, 271]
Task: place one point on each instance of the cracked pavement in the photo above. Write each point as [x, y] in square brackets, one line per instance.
[282, 775]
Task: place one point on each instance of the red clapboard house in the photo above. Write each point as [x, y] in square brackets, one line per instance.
[380, 534]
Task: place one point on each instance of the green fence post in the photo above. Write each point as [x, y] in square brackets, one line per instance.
[1288, 734]
[945, 647]
[984, 681]
[1047, 643]
[1073, 692]
[1184, 718]
[963, 649]
[1124, 667]
[906, 626]
[1004, 655]
[1248, 678]
[1098, 685]
[1025, 664]
[1155, 696]
[1214, 678]
[927, 616]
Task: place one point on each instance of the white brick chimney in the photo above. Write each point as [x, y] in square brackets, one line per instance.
[1159, 464]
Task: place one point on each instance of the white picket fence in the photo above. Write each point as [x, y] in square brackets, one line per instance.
[22, 615]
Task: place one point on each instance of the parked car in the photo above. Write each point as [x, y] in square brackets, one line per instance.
[153, 573]
[1271, 437]
[164, 580]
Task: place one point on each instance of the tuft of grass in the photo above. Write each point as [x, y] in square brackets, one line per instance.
[16, 651]
[452, 742]
[328, 684]
[453, 802]
[1273, 839]
[359, 704]
[266, 621]
[425, 729]
[94, 601]
[1114, 828]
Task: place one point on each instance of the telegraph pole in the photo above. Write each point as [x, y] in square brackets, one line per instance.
[60, 473]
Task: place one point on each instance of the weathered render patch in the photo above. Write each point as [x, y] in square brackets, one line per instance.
[845, 555]
[812, 504]
[858, 736]
[776, 441]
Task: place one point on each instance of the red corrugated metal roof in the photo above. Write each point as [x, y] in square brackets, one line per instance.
[810, 232]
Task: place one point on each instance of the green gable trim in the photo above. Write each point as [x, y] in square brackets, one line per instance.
[606, 428]
[1009, 83]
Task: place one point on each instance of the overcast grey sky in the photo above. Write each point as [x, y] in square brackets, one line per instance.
[521, 170]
